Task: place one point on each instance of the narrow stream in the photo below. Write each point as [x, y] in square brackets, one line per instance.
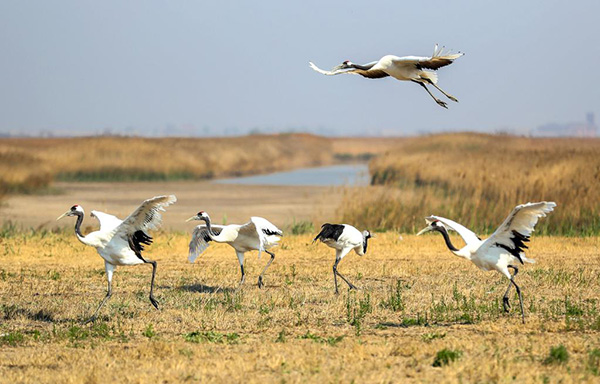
[335, 175]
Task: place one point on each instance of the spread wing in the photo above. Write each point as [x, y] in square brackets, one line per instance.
[145, 218]
[200, 240]
[468, 236]
[107, 222]
[260, 228]
[517, 228]
[439, 59]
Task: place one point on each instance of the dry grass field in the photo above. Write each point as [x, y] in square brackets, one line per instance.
[477, 179]
[422, 315]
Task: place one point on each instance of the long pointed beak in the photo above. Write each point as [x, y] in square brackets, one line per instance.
[424, 230]
[192, 218]
[63, 215]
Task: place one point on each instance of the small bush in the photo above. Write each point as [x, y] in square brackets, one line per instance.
[558, 355]
[445, 357]
[149, 331]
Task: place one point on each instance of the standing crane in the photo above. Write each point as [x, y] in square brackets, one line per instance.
[343, 238]
[503, 249]
[256, 235]
[419, 70]
[121, 242]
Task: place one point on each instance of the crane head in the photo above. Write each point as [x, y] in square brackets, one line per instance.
[199, 216]
[434, 225]
[367, 234]
[74, 211]
[345, 65]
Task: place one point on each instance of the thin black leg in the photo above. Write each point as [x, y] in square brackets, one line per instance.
[108, 295]
[335, 271]
[335, 275]
[243, 277]
[260, 278]
[520, 300]
[152, 299]
[440, 102]
[505, 300]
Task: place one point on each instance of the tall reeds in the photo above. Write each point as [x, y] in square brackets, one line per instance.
[477, 180]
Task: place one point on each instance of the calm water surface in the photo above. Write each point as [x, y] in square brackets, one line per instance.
[337, 175]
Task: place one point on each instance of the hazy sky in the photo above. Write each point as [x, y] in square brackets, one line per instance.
[87, 66]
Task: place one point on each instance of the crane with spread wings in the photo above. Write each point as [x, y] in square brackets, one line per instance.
[121, 242]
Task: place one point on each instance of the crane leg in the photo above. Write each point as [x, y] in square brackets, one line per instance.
[520, 299]
[445, 94]
[109, 274]
[260, 278]
[440, 102]
[335, 275]
[152, 299]
[505, 301]
[335, 272]
[240, 256]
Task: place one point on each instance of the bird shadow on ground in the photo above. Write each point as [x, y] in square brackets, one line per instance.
[14, 311]
[202, 288]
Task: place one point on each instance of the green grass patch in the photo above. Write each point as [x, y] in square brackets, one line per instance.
[332, 340]
[557, 355]
[212, 337]
[12, 338]
[445, 357]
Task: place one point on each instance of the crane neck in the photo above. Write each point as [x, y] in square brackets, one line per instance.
[365, 243]
[78, 227]
[363, 67]
[444, 233]
[211, 234]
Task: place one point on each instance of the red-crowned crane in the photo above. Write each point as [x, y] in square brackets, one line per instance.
[420, 70]
[121, 242]
[343, 238]
[503, 249]
[256, 235]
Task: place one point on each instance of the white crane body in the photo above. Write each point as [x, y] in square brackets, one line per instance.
[504, 249]
[344, 238]
[258, 234]
[120, 242]
[418, 69]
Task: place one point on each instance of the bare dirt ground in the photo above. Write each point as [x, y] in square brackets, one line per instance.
[234, 203]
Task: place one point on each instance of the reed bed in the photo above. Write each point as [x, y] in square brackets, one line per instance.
[477, 179]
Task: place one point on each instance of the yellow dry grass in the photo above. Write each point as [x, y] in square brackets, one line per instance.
[477, 179]
[416, 300]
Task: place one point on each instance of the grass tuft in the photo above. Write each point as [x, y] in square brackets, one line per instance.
[557, 355]
[445, 357]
